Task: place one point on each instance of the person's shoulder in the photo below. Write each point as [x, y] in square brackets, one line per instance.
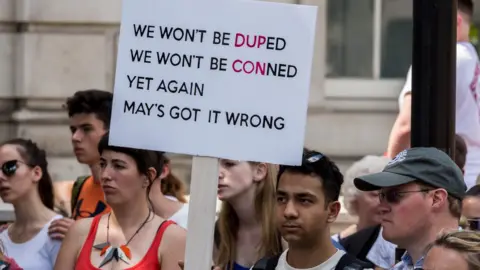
[466, 54]
[169, 230]
[82, 226]
[173, 237]
[174, 232]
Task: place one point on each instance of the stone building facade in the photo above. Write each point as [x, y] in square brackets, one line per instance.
[49, 49]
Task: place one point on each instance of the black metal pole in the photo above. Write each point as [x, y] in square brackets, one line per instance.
[433, 74]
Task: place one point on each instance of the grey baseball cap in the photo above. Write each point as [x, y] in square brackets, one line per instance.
[424, 164]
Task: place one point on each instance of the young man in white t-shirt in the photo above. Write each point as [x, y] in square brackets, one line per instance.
[307, 203]
[467, 99]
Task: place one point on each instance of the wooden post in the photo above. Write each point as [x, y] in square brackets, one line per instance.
[201, 213]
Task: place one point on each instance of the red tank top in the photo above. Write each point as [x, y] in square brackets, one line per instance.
[149, 260]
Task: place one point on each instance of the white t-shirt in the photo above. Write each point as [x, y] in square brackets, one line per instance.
[327, 265]
[181, 216]
[467, 120]
[39, 253]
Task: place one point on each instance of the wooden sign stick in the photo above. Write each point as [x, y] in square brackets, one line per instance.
[201, 213]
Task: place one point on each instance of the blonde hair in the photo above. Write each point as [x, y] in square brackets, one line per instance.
[466, 243]
[366, 165]
[228, 223]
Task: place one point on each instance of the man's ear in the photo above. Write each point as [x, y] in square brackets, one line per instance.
[333, 211]
[440, 198]
[260, 171]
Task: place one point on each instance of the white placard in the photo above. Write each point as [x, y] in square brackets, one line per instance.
[226, 79]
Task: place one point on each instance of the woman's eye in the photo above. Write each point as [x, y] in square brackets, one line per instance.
[117, 166]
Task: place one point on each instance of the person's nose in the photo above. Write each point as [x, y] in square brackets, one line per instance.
[290, 211]
[77, 136]
[384, 207]
[105, 173]
[221, 172]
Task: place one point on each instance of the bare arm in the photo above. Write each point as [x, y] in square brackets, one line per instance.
[72, 243]
[172, 248]
[400, 135]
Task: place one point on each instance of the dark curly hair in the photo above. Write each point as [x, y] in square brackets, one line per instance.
[93, 101]
[35, 156]
[317, 164]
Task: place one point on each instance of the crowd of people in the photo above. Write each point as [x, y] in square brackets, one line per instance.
[416, 207]
[131, 212]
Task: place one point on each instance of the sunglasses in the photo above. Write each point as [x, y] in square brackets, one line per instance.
[395, 196]
[10, 167]
[308, 161]
[474, 224]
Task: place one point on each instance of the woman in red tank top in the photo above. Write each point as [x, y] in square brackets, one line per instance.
[131, 236]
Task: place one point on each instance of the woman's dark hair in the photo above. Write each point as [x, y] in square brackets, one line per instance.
[145, 159]
[34, 156]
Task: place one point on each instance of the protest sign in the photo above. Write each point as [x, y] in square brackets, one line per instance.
[226, 79]
[222, 79]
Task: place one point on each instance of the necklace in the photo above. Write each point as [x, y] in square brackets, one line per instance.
[118, 253]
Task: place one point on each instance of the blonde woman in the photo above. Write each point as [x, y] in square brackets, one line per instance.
[459, 250]
[246, 229]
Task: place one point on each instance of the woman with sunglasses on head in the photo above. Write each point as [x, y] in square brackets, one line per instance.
[26, 184]
[131, 236]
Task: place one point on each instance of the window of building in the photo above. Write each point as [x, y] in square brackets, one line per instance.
[369, 39]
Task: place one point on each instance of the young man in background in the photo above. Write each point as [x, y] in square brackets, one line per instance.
[307, 204]
[89, 114]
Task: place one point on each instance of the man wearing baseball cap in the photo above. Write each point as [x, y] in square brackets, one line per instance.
[420, 195]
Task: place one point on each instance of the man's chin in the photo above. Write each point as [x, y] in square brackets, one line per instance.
[390, 235]
[83, 160]
[291, 238]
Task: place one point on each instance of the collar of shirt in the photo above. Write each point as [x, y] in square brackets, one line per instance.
[407, 263]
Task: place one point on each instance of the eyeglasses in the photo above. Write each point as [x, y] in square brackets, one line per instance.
[474, 224]
[10, 167]
[394, 196]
